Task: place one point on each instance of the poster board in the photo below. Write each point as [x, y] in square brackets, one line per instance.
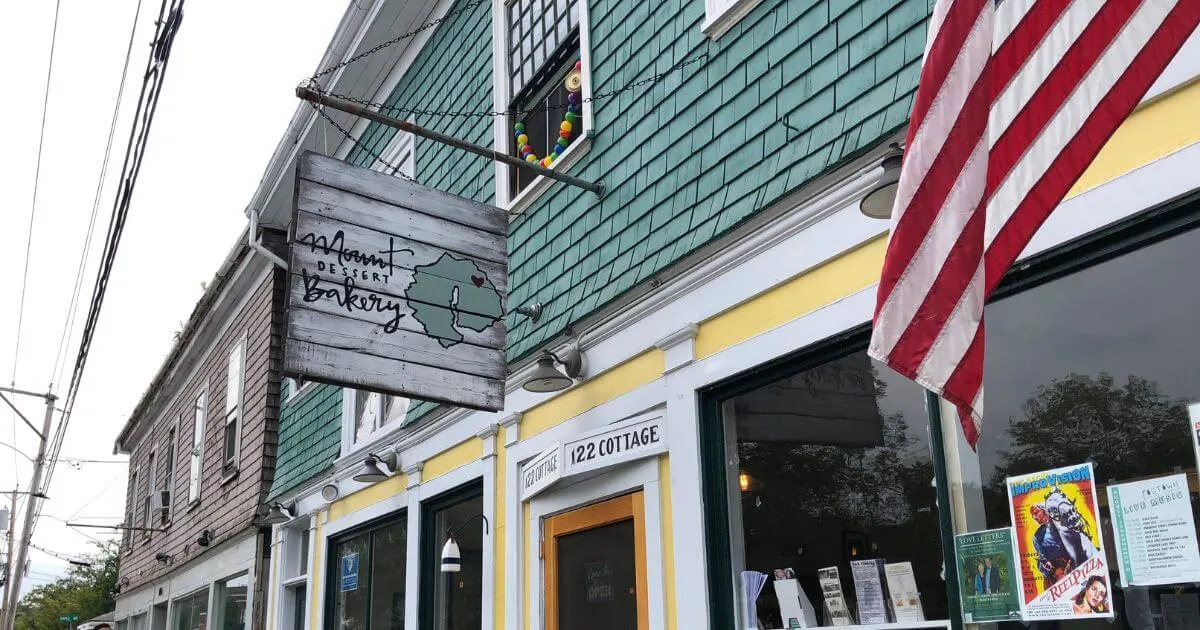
[1061, 555]
[989, 590]
[394, 287]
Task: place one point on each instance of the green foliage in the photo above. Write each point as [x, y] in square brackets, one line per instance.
[84, 591]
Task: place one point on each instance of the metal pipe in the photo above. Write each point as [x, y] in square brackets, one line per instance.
[22, 417]
[256, 245]
[313, 96]
[39, 465]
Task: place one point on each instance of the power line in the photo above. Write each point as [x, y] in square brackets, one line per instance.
[60, 360]
[37, 173]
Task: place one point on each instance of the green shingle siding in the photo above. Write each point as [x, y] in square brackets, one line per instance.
[309, 437]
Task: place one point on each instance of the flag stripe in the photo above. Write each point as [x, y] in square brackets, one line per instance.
[1015, 50]
[936, 154]
[1099, 127]
[947, 45]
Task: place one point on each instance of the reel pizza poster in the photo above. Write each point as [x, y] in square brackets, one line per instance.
[1062, 567]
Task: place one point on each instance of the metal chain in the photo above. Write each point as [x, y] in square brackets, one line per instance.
[395, 168]
[399, 111]
[399, 38]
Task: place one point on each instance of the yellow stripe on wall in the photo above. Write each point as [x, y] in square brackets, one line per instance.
[622, 379]
[1152, 132]
[853, 271]
[368, 496]
[455, 457]
[668, 540]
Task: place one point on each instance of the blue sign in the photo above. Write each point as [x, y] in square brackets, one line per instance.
[349, 572]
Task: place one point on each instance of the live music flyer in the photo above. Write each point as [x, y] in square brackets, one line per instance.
[1062, 566]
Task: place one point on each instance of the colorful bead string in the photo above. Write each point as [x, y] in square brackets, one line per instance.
[565, 128]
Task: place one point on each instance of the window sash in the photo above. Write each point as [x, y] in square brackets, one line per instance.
[234, 395]
[197, 454]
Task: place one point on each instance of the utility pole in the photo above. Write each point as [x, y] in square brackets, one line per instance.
[17, 567]
[12, 519]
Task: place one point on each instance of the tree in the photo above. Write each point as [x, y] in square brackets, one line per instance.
[85, 591]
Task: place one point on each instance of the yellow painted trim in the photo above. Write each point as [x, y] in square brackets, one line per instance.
[668, 541]
[853, 271]
[620, 380]
[368, 496]
[1152, 132]
[317, 577]
[499, 512]
[527, 552]
[455, 457]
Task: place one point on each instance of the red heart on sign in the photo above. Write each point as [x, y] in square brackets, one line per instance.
[478, 280]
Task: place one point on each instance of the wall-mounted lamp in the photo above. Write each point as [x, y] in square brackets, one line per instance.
[163, 558]
[330, 492]
[370, 472]
[546, 378]
[533, 311]
[279, 513]
[451, 556]
[206, 536]
[878, 203]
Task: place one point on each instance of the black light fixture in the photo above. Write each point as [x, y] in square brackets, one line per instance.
[370, 471]
[163, 558]
[878, 203]
[451, 556]
[205, 538]
[547, 378]
[279, 513]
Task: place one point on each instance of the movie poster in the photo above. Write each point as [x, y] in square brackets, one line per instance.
[1062, 566]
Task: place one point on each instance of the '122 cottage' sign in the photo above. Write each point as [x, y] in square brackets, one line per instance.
[394, 287]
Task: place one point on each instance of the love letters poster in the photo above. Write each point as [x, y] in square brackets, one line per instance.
[1062, 567]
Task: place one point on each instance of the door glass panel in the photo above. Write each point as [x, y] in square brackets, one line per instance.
[351, 599]
[597, 579]
[388, 553]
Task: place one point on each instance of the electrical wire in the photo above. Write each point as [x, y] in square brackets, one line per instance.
[60, 360]
[37, 173]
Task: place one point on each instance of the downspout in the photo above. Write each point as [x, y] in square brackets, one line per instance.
[253, 243]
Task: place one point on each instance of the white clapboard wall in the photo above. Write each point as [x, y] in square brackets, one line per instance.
[391, 285]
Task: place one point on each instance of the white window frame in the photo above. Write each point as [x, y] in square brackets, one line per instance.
[382, 426]
[401, 153]
[171, 446]
[148, 507]
[196, 456]
[297, 542]
[130, 512]
[234, 406]
[722, 15]
[504, 140]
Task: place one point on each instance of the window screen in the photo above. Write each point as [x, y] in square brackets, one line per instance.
[537, 28]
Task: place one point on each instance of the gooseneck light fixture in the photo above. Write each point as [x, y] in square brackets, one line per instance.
[878, 203]
[279, 513]
[547, 378]
[370, 471]
[451, 556]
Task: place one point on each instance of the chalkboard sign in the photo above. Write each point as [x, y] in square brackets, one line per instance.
[394, 287]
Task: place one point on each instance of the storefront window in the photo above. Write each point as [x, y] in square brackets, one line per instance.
[367, 571]
[1094, 367]
[454, 601]
[231, 599]
[191, 612]
[829, 483]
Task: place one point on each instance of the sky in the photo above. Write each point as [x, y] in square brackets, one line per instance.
[226, 102]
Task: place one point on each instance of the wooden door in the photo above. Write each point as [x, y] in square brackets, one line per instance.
[595, 567]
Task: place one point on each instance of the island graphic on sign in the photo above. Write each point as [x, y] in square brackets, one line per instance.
[444, 307]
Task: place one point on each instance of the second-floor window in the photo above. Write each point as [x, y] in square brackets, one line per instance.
[169, 475]
[130, 510]
[148, 497]
[545, 82]
[370, 412]
[196, 458]
[233, 405]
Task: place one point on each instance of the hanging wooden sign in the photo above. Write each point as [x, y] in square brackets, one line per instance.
[394, 287]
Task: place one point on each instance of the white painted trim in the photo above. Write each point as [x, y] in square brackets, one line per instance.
[722, 15]
[679, 347]
[540, 184]
[641, 475]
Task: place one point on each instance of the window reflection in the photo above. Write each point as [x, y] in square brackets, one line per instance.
[457, 598]
[832, 465]
[1096, 366]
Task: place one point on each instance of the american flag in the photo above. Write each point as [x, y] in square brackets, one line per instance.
[1015, 100]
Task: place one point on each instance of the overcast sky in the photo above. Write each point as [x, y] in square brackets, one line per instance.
[225, 105]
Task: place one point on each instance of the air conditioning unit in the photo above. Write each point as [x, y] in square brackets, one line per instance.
[161, 500]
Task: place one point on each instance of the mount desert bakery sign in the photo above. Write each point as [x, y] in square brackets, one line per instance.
[394, 287]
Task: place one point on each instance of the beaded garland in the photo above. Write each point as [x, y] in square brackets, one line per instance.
[565, 129]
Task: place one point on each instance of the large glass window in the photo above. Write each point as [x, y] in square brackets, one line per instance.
[191, 612]
[231, 602]
[828, 473]
[1097, 366]
[294, 576]
[367, 570]
[453, 601]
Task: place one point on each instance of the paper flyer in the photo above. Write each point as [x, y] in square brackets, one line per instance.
[1194, 423]
[868, 589]
[835, 600]
[902, 589]
[988, 589]
[1155, 531]
[1061, 562]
